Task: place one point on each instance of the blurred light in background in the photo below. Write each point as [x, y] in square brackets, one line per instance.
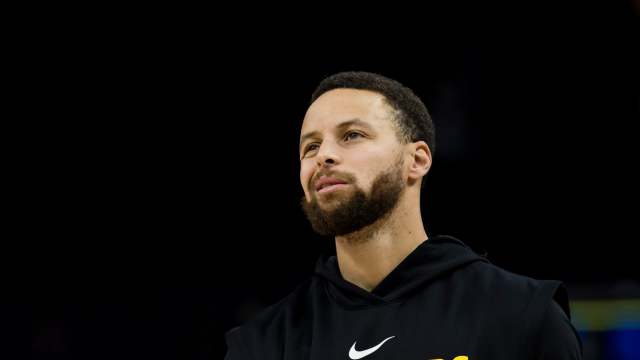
[610, 329]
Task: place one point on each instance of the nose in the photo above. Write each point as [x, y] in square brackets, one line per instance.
[327, 155]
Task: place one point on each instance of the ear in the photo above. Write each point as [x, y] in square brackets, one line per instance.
[421, 161]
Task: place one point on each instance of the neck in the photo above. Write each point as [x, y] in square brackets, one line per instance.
[367, 256]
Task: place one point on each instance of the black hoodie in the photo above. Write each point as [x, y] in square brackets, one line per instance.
[443, 301]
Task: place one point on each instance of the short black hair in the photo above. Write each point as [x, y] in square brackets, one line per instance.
[412, 118]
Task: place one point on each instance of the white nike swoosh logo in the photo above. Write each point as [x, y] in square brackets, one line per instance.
[355, 354]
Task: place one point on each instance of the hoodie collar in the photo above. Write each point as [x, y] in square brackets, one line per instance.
[433, 258]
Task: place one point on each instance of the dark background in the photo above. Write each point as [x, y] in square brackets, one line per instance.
[155, 175]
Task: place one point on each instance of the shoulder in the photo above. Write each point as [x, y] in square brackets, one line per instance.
[264, 328]
[285, 308]
[499, 283]
[538, 308]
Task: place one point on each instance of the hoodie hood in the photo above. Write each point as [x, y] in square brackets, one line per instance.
[432, 259]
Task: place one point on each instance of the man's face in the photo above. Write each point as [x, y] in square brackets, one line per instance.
[347, 136]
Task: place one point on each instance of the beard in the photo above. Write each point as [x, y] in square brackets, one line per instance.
[357, 210]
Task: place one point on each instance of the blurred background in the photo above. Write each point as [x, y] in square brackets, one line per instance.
[154, 189]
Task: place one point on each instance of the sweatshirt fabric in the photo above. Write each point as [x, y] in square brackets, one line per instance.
[443, 301]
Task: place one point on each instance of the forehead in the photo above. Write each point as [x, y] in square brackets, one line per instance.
[339, 105]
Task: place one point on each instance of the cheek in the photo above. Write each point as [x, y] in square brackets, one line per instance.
[370, 174]
[305, 174]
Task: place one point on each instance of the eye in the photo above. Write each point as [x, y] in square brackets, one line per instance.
[348, 136]
[310, 147]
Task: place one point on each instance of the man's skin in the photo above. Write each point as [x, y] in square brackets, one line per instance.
[368, 254]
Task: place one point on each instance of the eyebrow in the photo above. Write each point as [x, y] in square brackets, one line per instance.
[342, 125]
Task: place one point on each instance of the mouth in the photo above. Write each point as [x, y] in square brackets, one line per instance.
[330, 188]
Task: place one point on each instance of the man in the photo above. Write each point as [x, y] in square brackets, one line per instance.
[390, 291]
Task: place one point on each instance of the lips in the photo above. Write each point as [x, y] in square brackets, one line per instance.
[327, 181]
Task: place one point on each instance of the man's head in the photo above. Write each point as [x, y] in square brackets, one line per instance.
[374, 137]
